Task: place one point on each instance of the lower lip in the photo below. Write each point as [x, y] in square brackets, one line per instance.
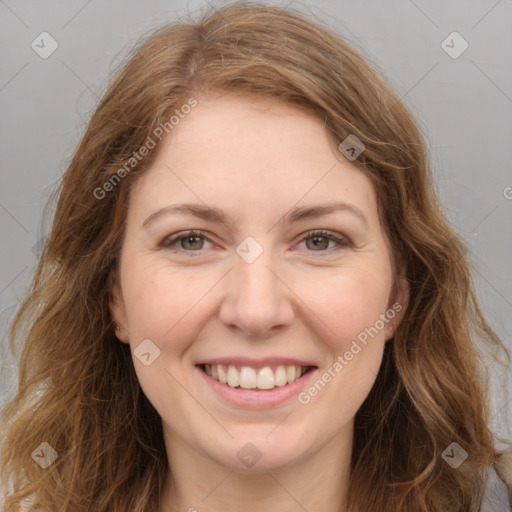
[257, 399]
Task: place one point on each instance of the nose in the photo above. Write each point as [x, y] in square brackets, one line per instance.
[257, 299]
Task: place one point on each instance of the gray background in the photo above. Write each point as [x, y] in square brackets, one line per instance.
[464, 105]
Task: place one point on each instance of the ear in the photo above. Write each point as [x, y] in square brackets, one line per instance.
[118, 312]
[398, 303]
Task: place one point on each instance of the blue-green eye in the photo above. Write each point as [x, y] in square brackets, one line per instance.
[193, 241]
[190, 238]
[319, 239]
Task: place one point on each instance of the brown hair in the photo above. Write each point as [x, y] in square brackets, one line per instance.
[78, 390]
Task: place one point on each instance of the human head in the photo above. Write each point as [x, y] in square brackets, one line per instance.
[279, 299]
[321, 75]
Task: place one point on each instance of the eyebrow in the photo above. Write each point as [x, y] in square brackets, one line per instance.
[213, 214]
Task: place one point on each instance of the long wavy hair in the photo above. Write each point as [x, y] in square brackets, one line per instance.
[77, 387]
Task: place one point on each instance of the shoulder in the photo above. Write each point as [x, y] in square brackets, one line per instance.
[503, 467]
[498, 492]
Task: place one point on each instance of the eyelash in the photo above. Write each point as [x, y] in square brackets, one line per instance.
[168, 241]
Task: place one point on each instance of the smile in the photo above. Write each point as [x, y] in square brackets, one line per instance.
[247, 377]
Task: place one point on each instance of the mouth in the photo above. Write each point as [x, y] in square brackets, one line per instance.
[266, 378]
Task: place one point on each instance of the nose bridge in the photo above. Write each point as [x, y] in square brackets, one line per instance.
[256, 299]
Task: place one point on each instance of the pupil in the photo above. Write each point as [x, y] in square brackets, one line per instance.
[317, 241]
[191, 238]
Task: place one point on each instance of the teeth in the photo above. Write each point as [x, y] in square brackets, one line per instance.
[248, 378]
[233, 377]
[280, 378]
[290, 373]
[251, 378]
[265, 378]
[222, 374]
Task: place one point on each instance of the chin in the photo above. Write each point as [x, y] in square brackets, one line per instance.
[259, 452]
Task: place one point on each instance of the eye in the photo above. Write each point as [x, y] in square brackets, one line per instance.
[320, 240]
[192, 239]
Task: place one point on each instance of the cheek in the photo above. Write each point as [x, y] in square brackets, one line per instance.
[159, 298]
[352, 302]
[166, 303]
[347, 301]
[163, 305]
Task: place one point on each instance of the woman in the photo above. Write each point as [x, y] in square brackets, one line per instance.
[250, 297]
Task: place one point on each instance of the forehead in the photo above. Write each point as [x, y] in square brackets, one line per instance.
[250, 128]
[249, 154]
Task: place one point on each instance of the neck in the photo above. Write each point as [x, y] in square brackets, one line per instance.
[318, 481]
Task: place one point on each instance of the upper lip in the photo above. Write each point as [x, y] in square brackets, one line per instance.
[256, 363]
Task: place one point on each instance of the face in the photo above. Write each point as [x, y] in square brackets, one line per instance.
[267, 282]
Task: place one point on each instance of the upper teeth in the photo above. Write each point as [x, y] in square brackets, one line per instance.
[250, 378]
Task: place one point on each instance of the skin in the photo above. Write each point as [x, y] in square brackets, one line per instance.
[255, 160]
